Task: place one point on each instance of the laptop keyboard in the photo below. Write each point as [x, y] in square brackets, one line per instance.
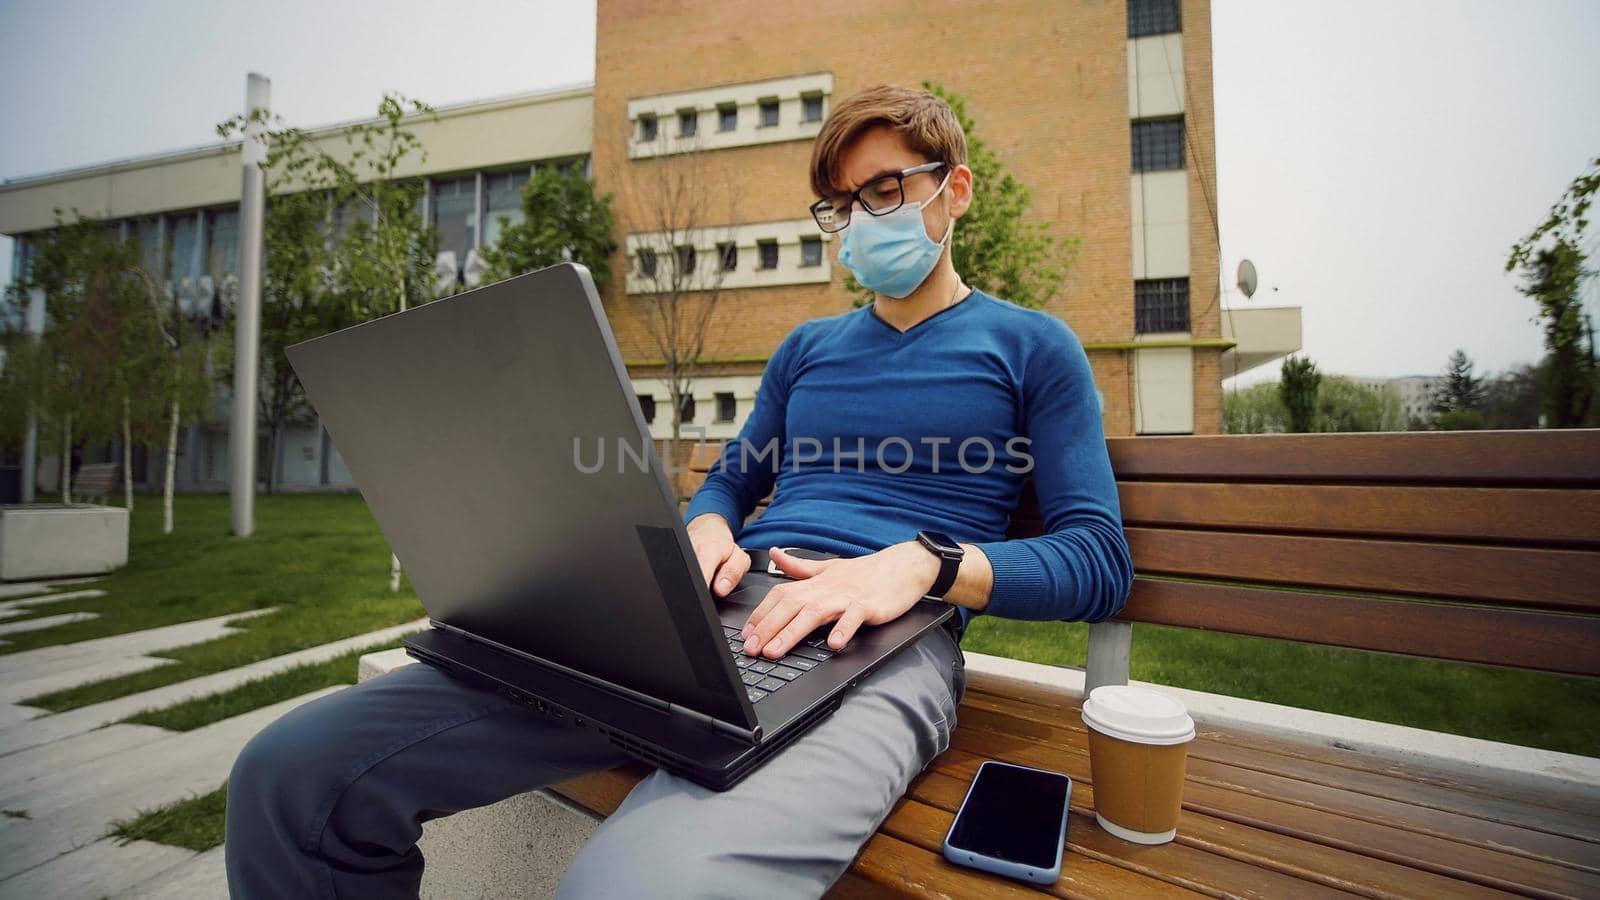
[762, 676]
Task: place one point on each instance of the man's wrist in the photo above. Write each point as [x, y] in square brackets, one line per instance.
[924, 564]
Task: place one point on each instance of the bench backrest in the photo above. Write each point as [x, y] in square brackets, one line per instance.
[96, 479]
[1478, 547]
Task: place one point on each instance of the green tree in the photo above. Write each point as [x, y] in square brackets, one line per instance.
[1552, 263]
[1462, 391]
[100, 348]
[1257, 409]
[343, 242]
[1344, 405]
[562, 220]
[1297, 387]
[992, 247]
[1515, 398]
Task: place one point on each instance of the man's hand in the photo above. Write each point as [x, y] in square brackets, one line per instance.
[719, 556]
[871, 589]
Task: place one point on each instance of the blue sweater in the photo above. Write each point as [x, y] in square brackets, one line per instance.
[872, 435]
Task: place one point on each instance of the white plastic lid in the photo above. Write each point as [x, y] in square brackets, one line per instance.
[1137, 714]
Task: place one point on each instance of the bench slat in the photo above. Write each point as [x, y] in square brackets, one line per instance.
[1295, 856]
[1546, 642]
[1485, 515]
[1559, 850]
[1314, 764]
[1438, 867]
[1556, 456]
[1537, 578]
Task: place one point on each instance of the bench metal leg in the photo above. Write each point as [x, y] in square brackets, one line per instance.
[1109, 646]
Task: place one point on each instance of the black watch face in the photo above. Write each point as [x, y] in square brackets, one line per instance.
[941, 541]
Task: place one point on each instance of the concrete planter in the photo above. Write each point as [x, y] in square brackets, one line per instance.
[52, 540]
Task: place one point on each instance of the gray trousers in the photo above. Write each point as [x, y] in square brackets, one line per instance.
[329, 800]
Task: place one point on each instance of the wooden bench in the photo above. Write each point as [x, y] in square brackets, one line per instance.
[1478, 547]
[96, 481]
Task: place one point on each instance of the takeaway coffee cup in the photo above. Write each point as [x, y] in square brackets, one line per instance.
[1138, 746]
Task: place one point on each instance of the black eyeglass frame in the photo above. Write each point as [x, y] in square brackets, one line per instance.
[855, 196]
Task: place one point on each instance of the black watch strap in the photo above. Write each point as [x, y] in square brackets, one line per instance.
[949, 553]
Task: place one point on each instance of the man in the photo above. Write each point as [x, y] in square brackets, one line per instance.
[922, 412]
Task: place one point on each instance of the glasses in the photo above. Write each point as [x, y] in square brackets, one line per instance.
[879, 197]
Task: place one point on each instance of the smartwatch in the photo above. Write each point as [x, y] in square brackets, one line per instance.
[949, 553]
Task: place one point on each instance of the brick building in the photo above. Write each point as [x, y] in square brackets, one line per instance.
[1103, 108]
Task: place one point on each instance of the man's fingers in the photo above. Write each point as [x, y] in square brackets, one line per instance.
[732, 570]
[801, 625]
[770, 624]
[854, 615]
[796, 566]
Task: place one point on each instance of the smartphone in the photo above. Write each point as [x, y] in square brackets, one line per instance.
[1013, 822]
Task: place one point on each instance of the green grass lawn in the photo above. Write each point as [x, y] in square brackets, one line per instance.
[1526, 708]
[322, 562]
[318, 558]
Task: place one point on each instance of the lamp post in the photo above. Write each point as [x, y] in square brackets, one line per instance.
[247, 334]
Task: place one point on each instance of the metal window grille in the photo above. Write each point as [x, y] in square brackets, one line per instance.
[647, 128]
[1161, 304]
[1157, 145]
[769, 254]
[1152, 17]
[769, 113]
[726, 408]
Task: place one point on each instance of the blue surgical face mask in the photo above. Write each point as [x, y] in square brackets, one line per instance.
[892, 254]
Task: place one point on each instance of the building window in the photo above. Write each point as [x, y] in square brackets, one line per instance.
[728, 256]
[727, 409]
[647, 406]
[1161, 304]
[455, 214]
[769, 254]
[222, 245]
[811, 108]
[647, 128]
[688, 123]
[685, 257]
[1152, 17]
[686, 409]
[811, 251]
[727, 117]
[1157, 144]
[647, 262]
[502, 200]
[769, 112]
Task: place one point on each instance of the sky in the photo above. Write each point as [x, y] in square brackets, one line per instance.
[1375, 160]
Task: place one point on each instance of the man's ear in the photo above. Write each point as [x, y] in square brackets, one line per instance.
[961, 196]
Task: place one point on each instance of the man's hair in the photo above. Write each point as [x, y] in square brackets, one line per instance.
[923, 120]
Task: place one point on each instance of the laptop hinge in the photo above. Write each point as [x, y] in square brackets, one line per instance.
[749, 736]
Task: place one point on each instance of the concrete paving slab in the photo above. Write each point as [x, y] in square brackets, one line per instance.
[11, 606]
[18, 688]
[63, 758]
[97, 870]
[41, 731]
[72, 815]
[65, 657]
[44, 622]
[205, 877]
[11, 714]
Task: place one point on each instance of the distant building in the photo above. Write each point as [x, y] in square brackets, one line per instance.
[1415, 392]
[1103, 109]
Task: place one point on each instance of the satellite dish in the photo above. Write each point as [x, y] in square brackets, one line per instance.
[1247, 278]
[444, 273]
[475, 268]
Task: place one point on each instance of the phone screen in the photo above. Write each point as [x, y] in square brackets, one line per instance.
[1013, 813]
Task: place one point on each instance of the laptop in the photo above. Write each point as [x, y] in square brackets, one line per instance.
[498, 442]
